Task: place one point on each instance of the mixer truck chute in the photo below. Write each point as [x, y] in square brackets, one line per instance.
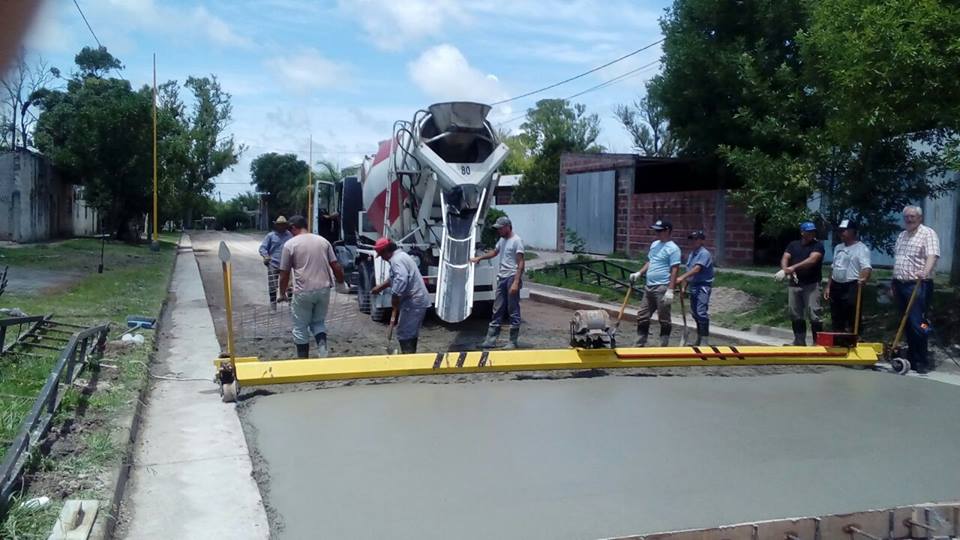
[428, 188]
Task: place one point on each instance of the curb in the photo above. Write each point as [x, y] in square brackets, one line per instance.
[127, 429]
[630, 314]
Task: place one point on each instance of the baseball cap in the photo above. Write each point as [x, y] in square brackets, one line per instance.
[502, 221]
[808, 226]
[282, 220]
[849, 224]
[697, 235]
[662, 225]
[381, 244]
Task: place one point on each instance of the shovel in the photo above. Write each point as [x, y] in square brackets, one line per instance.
[683, 313]
[623, 307]
[903, 320]
[856, 317]
[391, 348]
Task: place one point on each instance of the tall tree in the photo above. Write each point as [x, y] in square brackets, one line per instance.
[282, 177]
[519, 157]
[647, 125]
[553, 127]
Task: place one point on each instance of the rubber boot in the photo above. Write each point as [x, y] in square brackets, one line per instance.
[303, 350]
[703, 334]
[665, 329]
[799, 333]
[408, 346]
[492, 334]
[643, 329]
[321, 344]
[815, 328]
[514, 336]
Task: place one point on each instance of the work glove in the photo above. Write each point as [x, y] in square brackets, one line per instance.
[343, 288]
[780, 275]
[635, 277]
[266, 261]
[668, 297]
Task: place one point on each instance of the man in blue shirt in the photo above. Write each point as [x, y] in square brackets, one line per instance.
[698, 279]
[661, 268]
[270, 250]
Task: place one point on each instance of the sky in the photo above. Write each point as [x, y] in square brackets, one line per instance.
[343, 71]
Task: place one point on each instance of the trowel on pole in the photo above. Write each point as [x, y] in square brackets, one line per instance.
[391, 348]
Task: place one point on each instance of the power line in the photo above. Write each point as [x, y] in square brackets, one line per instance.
[584, 74]
[84, 17]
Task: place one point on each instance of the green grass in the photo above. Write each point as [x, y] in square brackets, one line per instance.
[134, 281]
[530, 255]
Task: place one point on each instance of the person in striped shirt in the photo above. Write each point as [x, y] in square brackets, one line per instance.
[914, 258]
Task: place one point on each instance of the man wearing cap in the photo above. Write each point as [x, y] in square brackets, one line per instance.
[410, 297]
[314, 265]
[509, 280]
[914, 258]
[802, 267]
[270, 250]
[661, 269]
[850, 270]
[698, 279]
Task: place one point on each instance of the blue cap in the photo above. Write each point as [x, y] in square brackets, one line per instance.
[808, 226]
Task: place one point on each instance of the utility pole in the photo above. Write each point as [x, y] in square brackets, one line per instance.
[310, 187]
[155, 244]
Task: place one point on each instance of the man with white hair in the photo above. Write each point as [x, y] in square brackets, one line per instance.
[914, 258]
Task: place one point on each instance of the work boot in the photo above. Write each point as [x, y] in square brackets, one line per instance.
[514, 336]
[303, 350]
[799, 334]
[321, 344]
[408, 346]
[492, 334]
[703, 334]
[665, 329]
[643, 329]
[815, 328]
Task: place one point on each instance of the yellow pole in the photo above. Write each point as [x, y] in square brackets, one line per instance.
[228, 301]
[310, 188]
[156, 233]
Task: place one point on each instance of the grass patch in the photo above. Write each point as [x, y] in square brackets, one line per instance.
[134, 281]
[530, 255]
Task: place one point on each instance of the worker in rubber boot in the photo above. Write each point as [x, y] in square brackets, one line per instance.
[661, 269]
[313, 263]
[410, 297]
[698, 280]
[270, 250]
[801, 266]
[509, 280]
[850, 270]
[915, 258]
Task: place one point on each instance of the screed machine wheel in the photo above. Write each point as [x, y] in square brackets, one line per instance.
[900, 365]
[228, 392]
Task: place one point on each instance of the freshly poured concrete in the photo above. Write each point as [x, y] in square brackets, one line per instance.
[593, 458]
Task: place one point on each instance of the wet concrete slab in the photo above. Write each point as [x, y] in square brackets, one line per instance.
[600, 457]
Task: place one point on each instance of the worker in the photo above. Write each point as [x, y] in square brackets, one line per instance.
[914, 258]
[802, 267]
[314, 266]
[661, 269]
[698, 279]
[850, 270]
[410, 297]
[270, 250]
[506, 306]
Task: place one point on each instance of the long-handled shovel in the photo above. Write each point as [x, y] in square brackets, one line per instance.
[903, 320]
[623, 308]
[856, 316]
[391, 348]
[683, 313]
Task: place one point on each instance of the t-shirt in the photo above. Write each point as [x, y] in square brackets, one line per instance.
[848, 261]
[800, 252]
[406, 281]
[508, 249]
[308, 256]
[702, 257]
[662, 256]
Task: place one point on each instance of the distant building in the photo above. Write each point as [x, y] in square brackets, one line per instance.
[504, 192]
[36, 205]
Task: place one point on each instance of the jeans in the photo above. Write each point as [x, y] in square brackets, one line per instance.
[804, 302]
[843, 305]
[309, 311]
[411, 318]
[700, 302]
[916, 333]
[506, 305]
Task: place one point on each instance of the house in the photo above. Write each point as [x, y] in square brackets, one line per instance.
[504, 192]
[35, 205]
[610, 200]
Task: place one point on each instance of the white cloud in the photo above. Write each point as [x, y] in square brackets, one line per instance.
[308, 70]
[443, 73]
[391, 25]
[216, 29]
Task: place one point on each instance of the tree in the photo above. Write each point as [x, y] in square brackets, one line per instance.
[21, 88]
[95, 62]
[282, 177]
[647, 124]
[519, 157]
[553, 127]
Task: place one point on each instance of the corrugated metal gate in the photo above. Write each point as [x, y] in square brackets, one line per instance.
[590, 209]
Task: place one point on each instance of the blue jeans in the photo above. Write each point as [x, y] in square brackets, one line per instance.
[700, 302]
[506, 305]
[916, 334]
[309, 311]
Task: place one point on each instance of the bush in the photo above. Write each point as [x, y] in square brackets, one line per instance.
[489, 236]
[574, 243]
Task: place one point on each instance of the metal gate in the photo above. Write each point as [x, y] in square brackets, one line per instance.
[590, 209]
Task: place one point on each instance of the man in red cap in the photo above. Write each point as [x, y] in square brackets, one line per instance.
[410, 297]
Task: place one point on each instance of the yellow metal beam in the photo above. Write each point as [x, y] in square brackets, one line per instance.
[254, 373]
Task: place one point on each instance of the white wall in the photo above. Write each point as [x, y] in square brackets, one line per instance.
[535, 223]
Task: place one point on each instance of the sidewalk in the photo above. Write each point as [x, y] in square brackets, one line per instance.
[191, 472]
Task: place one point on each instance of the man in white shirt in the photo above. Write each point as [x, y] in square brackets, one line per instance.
[914, 258]
[850, 270]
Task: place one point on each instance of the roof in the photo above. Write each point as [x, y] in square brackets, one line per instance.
[510, 180]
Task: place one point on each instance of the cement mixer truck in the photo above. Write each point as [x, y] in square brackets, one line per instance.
[428, 188]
